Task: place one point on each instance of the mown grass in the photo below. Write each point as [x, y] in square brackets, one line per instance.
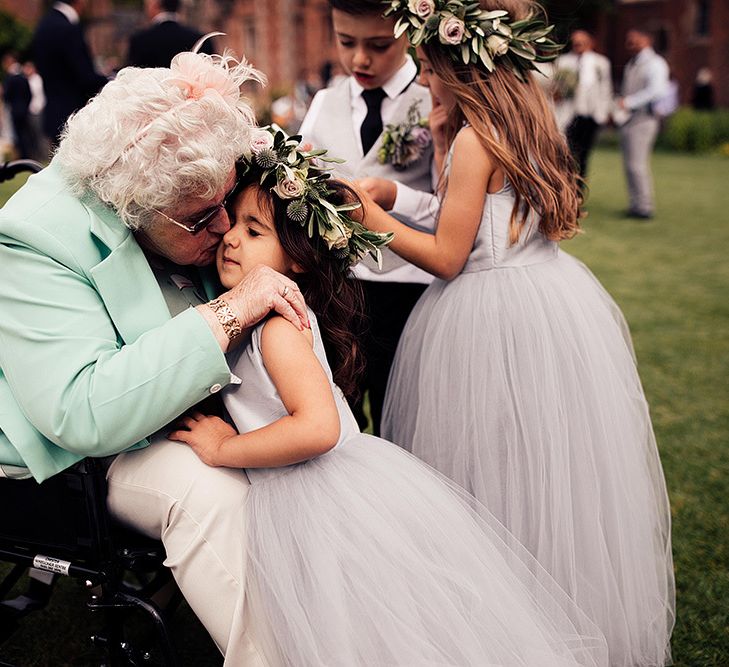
[671, 278]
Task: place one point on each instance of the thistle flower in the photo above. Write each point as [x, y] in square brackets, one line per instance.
[341, 253]
[297, 211]
[266, 158]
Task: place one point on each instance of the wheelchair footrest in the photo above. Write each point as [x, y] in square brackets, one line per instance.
[36, 597]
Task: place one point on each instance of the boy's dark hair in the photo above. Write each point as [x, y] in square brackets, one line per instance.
[359, 7]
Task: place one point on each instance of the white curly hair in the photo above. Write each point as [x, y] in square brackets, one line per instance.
[155, 137]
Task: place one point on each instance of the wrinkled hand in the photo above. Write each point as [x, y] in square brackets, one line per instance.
[204, 434]
[382, 190]
[262, 291]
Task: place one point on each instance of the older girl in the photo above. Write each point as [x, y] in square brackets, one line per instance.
[515, 374]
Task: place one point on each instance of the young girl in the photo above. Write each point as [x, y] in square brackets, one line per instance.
[515, 375]
[359, 554]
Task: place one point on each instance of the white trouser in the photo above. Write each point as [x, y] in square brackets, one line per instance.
[637, 138]
[198, 512]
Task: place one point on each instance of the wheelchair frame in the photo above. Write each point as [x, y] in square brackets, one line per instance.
[64, 529]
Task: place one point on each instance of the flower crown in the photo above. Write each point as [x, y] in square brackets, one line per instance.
[477, 34]
[299, 176]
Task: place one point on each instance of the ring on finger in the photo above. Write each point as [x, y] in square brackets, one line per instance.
[285, 291]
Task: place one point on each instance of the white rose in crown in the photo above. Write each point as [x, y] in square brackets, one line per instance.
[497, 45]
[421, 8]
[288, 188]
[260, 140]
[451, 30]
[336, 237]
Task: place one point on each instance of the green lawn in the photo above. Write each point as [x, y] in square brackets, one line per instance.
[671, 278]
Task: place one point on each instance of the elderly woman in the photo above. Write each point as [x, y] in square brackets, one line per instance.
[109, 329]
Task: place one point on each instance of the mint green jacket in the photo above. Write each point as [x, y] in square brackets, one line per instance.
[91, 363]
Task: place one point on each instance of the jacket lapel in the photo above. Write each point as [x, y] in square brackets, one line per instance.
[210, 282]
[124, 278]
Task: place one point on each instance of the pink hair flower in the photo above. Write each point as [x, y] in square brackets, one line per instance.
[198, 76]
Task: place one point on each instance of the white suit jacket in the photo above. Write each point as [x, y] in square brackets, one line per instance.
[594, 92]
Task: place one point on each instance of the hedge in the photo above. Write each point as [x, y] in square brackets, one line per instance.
[695, 131]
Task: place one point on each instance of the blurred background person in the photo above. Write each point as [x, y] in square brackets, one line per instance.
[583, 109]
[703, 95]
[6, 132]
[164, 38]
[645, 81]
[17, 96]
[63, 60]
[39, 146]
[332, 73]
[288, 110]
[307, 84]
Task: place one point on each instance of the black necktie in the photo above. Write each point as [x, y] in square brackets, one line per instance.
[372, 124]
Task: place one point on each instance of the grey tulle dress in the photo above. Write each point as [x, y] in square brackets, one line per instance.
[365, 556]
[517, 380]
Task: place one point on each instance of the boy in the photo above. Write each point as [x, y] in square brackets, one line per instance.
[348, 120]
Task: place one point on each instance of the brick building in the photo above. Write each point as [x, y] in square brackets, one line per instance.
[287, 39]
[292, 39]
[690, 34]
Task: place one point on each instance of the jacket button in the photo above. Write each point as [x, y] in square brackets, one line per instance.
[215, 388]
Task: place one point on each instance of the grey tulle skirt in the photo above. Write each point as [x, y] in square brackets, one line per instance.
[367, 557]
[520, 385]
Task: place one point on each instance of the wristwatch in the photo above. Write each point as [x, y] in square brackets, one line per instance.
[227, 318]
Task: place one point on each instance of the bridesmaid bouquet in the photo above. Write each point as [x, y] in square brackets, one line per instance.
[404, 144]
[564, 84]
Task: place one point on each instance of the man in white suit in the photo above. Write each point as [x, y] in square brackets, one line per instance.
[645, 82]
[583, 112]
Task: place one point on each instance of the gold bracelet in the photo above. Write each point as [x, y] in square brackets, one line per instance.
[227, 318]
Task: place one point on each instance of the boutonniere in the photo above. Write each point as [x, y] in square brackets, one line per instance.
[564, 83]
[404, 143]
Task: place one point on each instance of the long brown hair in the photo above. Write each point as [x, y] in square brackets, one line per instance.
[336, 299]
[516, 125]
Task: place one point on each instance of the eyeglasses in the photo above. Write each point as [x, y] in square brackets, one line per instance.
[207, 218]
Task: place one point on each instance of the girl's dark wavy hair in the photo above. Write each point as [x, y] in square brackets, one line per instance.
[336, 299]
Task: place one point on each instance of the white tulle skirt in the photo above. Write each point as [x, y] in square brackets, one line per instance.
[520, 385]
[367, 557]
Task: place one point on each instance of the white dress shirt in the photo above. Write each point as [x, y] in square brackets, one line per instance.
[645, 79]
[69, 12]
[419, 207]
[594, 92]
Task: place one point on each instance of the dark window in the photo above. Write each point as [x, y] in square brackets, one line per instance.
[249, 34]
[661, 40]
[702, 24]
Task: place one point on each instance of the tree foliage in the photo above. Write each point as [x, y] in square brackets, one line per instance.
[14, 35]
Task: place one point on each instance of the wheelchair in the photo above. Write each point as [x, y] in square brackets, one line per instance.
[61, 527]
